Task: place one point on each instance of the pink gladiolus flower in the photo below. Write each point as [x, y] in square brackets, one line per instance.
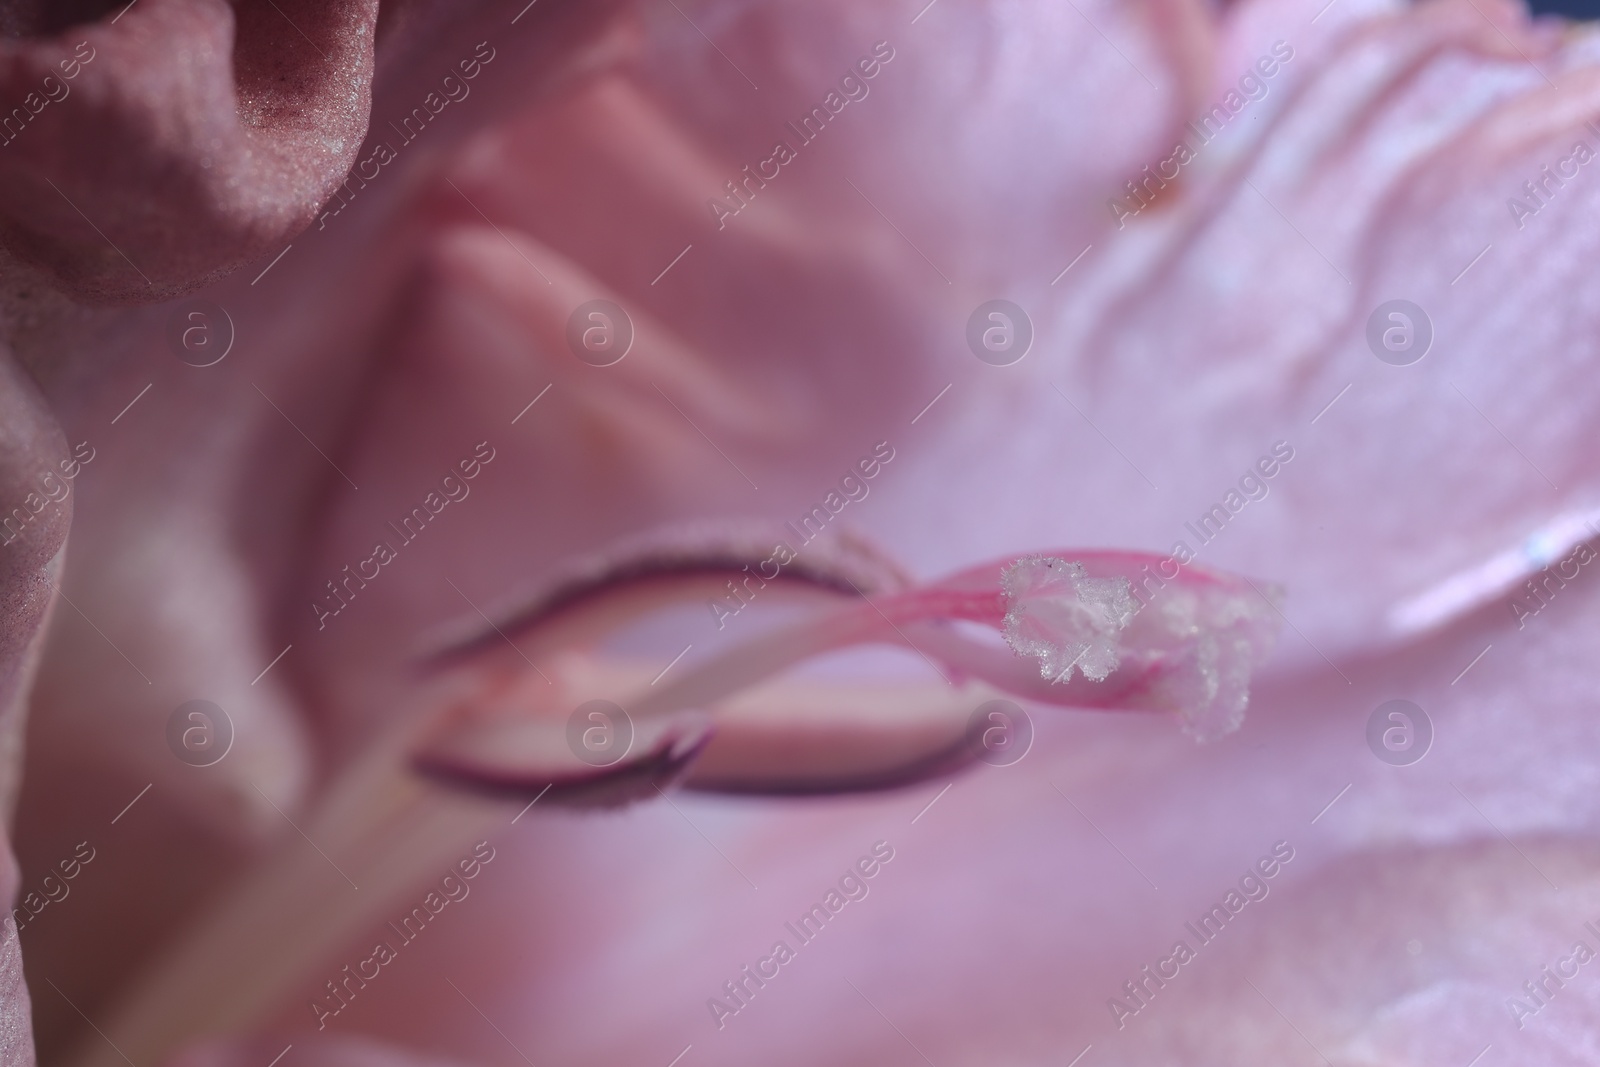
[526, 533]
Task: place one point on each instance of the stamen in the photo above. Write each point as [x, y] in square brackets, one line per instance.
[1082, 635]
[1190, 648]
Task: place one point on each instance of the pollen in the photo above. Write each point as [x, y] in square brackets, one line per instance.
[1058, 614]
